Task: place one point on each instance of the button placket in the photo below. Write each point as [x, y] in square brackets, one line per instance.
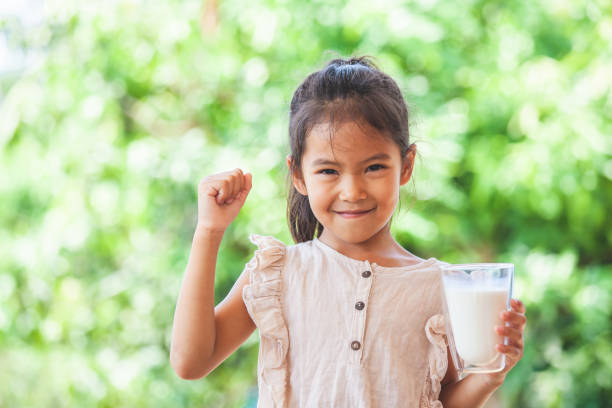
[355, 343]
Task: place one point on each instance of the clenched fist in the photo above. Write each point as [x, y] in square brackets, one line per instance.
[220, 198]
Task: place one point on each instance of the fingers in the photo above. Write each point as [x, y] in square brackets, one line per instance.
[236, 181]
[228, 186]
[513, 352]
[248, 178]
[516, 320]
[517, 305]
[224, 191]
[246, 188]
[515, 336]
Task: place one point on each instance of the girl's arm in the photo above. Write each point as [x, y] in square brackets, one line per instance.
[475, 389]
[471, 392]
[202, 335]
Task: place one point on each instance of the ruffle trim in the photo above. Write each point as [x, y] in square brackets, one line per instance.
[262, 297]
[435, 331]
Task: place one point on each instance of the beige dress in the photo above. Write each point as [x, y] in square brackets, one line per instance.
[339, 332]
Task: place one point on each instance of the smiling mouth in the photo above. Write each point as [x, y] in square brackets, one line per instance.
[353, 214]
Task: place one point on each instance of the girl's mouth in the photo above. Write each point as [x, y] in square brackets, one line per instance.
[353, 214]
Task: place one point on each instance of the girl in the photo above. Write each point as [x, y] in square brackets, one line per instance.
[346, 317]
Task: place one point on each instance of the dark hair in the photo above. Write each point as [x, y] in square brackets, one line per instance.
[346, 89]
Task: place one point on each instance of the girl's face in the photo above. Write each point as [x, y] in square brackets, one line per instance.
[352, 181]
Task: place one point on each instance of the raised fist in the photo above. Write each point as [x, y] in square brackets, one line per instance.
[220, 198]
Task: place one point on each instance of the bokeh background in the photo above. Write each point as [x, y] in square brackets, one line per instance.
[112, 111]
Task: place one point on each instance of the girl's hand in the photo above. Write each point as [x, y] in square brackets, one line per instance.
[514, 350]
[220, 198]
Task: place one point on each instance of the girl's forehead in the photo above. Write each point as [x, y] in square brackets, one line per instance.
[348, 138]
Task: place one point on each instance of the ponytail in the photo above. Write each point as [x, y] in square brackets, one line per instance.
[302, 222]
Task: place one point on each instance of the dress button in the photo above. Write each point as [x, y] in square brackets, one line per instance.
[355, 345]
[359, 305]
[366, 274]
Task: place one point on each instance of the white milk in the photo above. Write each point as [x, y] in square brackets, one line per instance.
[474, 313]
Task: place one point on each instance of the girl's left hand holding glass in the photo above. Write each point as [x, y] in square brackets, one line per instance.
[514, 329]
[220, 198]
[475, 389]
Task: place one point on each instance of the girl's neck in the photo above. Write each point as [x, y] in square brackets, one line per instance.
[381, 249]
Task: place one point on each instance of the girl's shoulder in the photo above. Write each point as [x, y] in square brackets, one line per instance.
[270, 252]
[287, 260]
[268, 242]
[274, 252]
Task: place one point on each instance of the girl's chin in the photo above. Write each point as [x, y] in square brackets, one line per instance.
[352, 236]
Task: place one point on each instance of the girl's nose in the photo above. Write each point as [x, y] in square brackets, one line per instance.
[351, 189]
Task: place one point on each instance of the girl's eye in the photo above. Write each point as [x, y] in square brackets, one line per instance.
[327, 171]
[375, 167]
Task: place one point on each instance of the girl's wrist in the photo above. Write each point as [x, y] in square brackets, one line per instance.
[494, 380]
[208, 231]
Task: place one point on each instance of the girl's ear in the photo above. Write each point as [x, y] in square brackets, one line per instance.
[408, 165]
[296, 178]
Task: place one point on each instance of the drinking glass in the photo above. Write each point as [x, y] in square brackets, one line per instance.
[474, 296]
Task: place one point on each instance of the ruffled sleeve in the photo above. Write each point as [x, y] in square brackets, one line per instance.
[262, 297]
[435, 331]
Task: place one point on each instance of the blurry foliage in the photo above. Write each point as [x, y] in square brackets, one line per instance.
[103, 143]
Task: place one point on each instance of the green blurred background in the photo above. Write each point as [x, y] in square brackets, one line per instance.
[111, 112]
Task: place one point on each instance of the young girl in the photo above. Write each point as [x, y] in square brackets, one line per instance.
[347, 317]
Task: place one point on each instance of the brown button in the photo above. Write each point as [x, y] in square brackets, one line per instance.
[355, 345]
[359, 305]
[366, 274]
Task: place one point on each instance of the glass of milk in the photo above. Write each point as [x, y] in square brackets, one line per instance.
[475, 295]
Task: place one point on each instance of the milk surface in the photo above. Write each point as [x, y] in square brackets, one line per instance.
[474, 313]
